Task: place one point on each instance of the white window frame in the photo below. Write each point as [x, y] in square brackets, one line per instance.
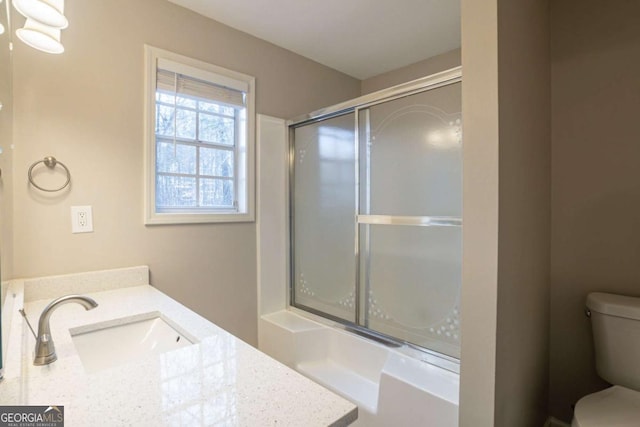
[245, 152]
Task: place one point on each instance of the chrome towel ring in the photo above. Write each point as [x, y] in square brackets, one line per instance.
[51, 163]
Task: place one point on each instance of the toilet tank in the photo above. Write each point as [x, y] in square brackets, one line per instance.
[615, 321]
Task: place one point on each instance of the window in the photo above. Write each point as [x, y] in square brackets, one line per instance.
[199, 141]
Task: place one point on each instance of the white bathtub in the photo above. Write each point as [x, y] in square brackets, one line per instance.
[389, 387]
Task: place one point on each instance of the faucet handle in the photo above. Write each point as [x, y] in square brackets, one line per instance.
[45, 350]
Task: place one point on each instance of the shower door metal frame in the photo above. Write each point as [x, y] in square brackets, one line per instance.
[354, 106]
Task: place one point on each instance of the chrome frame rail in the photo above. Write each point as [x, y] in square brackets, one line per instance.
[425, 221]
[433, 81]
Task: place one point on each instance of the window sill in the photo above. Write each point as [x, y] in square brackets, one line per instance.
[197, 218]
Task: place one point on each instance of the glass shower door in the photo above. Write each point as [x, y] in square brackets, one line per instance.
[410, 219]
[376, 215]
[323, 205]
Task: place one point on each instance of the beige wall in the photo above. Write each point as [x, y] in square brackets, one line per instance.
[86, 108]
[595, 243]
[6, 157]
[524, 235]
[423, 68]
[505, 297]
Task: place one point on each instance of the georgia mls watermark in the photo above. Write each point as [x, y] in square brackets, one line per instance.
[31, 416]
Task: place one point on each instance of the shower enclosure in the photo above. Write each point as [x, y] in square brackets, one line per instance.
[376, 213]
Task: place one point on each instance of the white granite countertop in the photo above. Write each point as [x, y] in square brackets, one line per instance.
[219, 380]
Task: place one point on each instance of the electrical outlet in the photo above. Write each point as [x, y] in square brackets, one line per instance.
[81, 219]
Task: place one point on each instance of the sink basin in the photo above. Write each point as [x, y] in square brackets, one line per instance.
[115, 342]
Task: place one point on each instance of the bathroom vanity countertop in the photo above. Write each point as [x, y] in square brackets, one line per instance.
[220, 380]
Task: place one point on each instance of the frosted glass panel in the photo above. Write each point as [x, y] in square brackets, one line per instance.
[390, 260]
[324, 209]
[412, 284]
[413, 148]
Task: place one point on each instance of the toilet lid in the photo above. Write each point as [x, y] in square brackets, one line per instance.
[616, 406]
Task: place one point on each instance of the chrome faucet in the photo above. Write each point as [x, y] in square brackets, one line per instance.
[45, 350]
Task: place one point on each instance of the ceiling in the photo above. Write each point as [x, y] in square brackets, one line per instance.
[361, 38]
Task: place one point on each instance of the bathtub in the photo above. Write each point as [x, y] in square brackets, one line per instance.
[389, 387]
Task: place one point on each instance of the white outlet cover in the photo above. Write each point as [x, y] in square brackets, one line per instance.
[81, 219]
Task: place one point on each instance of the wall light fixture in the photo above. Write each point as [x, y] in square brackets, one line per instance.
[45, 20]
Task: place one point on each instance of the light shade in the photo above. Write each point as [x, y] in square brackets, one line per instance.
[41, 37]
[48, 12]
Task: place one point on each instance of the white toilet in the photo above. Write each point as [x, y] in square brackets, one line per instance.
[615, 321]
